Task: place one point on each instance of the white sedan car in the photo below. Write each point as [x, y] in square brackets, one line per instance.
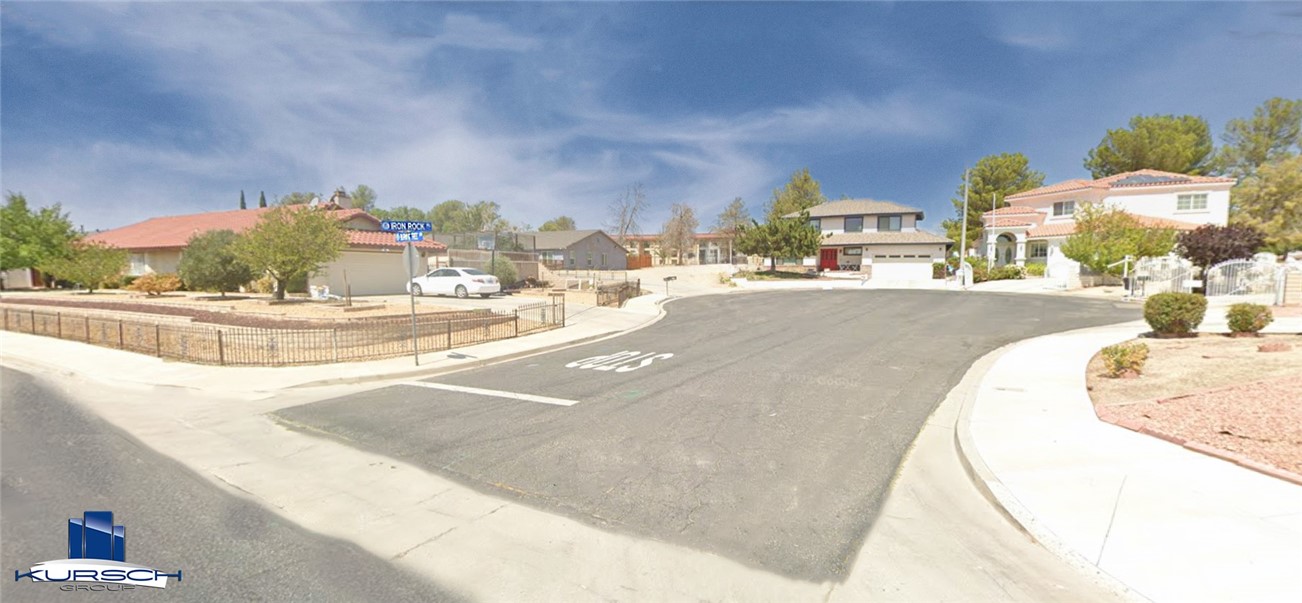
[461, 282]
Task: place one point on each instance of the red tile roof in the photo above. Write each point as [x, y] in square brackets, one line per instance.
[1062, 229]
[174, 232]
[1137, 177]
[377, 238]
[1011, 210]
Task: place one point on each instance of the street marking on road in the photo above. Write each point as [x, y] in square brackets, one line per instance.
[620, 362]
[492, 392]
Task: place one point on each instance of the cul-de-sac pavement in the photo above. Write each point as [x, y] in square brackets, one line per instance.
[788, 445]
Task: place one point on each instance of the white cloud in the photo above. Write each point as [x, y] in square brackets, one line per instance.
[314, 96]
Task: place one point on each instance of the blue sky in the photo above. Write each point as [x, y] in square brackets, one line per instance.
[125, 111]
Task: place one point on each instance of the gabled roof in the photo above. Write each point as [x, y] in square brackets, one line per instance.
[857, 207]
[884, 238]
[562, 239]
[1137, 178]
[1062, 229]
[174, 232]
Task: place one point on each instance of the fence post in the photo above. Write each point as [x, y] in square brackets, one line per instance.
[517, 322]
[33, 331]
[158, 340]
[87, 328]
[221, 349]
[449, 325]
[562, 300]
[121, 342]
[58, 323]
[334, 344]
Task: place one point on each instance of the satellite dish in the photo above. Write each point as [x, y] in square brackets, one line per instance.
[315, 202]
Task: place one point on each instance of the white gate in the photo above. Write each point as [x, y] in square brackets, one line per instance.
[1241, 277]
[1167, 274]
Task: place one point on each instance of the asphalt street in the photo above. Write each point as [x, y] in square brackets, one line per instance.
[770, 435]
[59, 461]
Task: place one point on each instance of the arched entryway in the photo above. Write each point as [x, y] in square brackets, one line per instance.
[1005, 249]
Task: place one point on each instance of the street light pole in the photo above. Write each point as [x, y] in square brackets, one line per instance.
[962, 251]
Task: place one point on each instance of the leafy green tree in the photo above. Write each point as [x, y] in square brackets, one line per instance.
[364, 198]
[297, 198]
[242, 204]
[1181, 144]
[89, 264]
[29, 238]
[458, 217]
[209, 263]
[558, 223]
[1105, 235]
[800, 193]
[679, 232]
[1210, 244]
[503, 269]
[730, 221]
[1273, 133]
[993, 178]
[1271, 201]
[262, 199]
[290, 243]
[783, 237]
[402, 212]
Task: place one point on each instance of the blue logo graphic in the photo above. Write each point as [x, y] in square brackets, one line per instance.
[97, 553]
[95, 537]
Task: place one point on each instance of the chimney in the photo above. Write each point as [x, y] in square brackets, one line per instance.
[340, 199]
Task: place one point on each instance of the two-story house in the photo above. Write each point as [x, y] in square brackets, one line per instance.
[880, 238]
[1035, 223]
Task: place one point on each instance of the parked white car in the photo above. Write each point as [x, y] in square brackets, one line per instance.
[461, 282]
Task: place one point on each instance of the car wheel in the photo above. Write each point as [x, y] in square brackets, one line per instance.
[485, 295]
[415, 290]
[461, 291]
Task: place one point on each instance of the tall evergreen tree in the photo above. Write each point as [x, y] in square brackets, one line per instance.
[242, 205]
[800, 193]
[1181, 144]
[1273, 133]
[262, 199]
[993, 178]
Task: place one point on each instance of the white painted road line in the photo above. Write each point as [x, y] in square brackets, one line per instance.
[492, 392]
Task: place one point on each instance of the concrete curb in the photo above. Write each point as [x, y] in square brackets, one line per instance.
[1211, 451]
[1002, 497]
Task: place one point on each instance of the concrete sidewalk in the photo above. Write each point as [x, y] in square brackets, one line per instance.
[106, 364]
[1169, 523]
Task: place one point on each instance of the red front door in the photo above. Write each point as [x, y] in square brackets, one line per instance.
[827, 259]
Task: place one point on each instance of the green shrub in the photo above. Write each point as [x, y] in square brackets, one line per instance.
[1248, 318]
[156, 283]
[1035, 269]
[1175, 313]
[504, 270]
[1124, 358]
[938, 270]
[265, 284]
[1007, 273]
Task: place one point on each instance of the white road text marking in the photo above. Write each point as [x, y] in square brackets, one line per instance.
[620, 362]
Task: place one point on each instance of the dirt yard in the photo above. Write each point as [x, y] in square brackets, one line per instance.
[1215, 390]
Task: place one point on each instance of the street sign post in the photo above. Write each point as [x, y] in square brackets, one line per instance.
[405, 226]
[409, 256]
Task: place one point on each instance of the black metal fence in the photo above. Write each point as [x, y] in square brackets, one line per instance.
[367, 339]
[615, 294]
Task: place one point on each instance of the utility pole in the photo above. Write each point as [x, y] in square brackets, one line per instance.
[962, 251]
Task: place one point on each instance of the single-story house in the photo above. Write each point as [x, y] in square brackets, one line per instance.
[578, 250]
[880, 238]
[707, 248]
[372, 264]
[1035, 223]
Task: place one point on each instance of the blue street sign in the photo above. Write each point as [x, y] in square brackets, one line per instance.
[408, 237]
[405, 226]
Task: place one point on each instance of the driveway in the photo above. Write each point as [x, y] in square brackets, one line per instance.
[764, 427]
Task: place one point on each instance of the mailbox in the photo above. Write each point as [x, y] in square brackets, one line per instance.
[670, 278]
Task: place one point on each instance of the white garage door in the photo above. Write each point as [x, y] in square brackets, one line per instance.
[901, 268]
[369, 273]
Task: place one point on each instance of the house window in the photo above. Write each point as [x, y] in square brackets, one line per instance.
[1037, 249]
[854, 251]
[854, 224]
[816, 223]
[603, 260]
[1191, 202]
[1064, 208]
[888, 223]
[589, 259]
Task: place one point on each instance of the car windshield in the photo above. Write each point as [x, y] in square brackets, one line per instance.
[473, 272]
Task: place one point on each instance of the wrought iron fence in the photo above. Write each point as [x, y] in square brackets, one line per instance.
[1167, 274]
[616, 294]
[1242, 277]
[255, 346]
